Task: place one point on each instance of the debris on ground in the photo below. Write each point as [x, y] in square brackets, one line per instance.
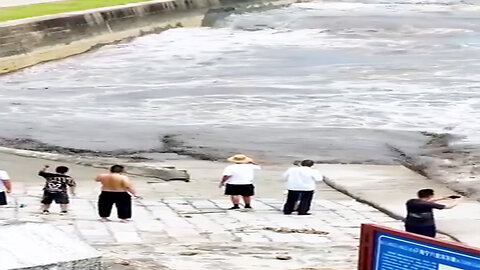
[122, 262]
[188, 253]
[283, 257]
[289, 230]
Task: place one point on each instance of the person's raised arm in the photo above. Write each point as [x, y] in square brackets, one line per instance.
[439, 199]
[452, 204]
[8, 185]
[445, 198]
[43, 170]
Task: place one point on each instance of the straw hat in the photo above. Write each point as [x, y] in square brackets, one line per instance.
[242, 159]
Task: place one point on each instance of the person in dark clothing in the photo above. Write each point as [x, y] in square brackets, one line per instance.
[301, 181]
[420, 218]
[55, 189]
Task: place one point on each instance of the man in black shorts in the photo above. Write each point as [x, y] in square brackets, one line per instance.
[420, 212]
[239, 180]
[56, 185]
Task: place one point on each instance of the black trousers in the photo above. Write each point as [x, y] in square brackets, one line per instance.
[429, 230]
[122, 200]
[293, 197]
[3, 198]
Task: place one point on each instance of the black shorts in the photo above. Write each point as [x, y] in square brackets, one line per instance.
[59, 197]
[243, 190]
[3, 198]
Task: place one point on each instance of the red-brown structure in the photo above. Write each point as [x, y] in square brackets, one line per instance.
[368, 236]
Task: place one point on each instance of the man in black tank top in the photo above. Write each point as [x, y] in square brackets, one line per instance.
[420, 219]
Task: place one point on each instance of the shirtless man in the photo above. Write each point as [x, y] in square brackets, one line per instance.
[116, 189]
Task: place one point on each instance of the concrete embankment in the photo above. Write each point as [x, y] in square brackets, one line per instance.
[168, 172]
[27, 42]
[387, 188]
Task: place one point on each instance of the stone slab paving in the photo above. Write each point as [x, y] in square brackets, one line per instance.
[186, 233]
[185, 225]
[389, 187]
[29, 246]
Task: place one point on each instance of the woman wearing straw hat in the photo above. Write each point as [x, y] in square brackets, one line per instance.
[239, 178]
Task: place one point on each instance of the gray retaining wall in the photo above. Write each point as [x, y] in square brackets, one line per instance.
[29, 41]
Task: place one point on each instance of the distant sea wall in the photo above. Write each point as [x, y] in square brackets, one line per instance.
[27, 42]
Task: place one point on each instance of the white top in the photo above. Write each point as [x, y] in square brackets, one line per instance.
[302, 178]
[241, 174]
[3, 176]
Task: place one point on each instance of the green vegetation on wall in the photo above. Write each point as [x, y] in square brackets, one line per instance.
[19, 12]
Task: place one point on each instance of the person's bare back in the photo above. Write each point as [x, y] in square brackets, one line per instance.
[114, 182]
[116, 190]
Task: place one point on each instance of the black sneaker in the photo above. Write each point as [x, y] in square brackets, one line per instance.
[63, 212]
[248, 206]
[234, 207]
[45, 212]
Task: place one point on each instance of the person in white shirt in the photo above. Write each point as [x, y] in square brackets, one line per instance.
[238, 179]
[301, 183]
[5, 187]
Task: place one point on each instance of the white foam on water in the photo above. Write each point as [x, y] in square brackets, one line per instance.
[398, 65]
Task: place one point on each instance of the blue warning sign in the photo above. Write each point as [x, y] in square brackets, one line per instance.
[392, 252]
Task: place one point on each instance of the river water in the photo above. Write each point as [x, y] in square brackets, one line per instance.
[333, 80]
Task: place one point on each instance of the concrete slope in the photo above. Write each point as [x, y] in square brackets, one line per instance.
[387, 188]
[42, 246]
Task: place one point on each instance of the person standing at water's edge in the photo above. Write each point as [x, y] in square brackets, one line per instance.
[420, 218]
[5, 187]
[239, 179]
[301, 183]
[55, 189]
[116, 189]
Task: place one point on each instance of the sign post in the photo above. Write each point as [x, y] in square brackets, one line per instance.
[382, 248]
